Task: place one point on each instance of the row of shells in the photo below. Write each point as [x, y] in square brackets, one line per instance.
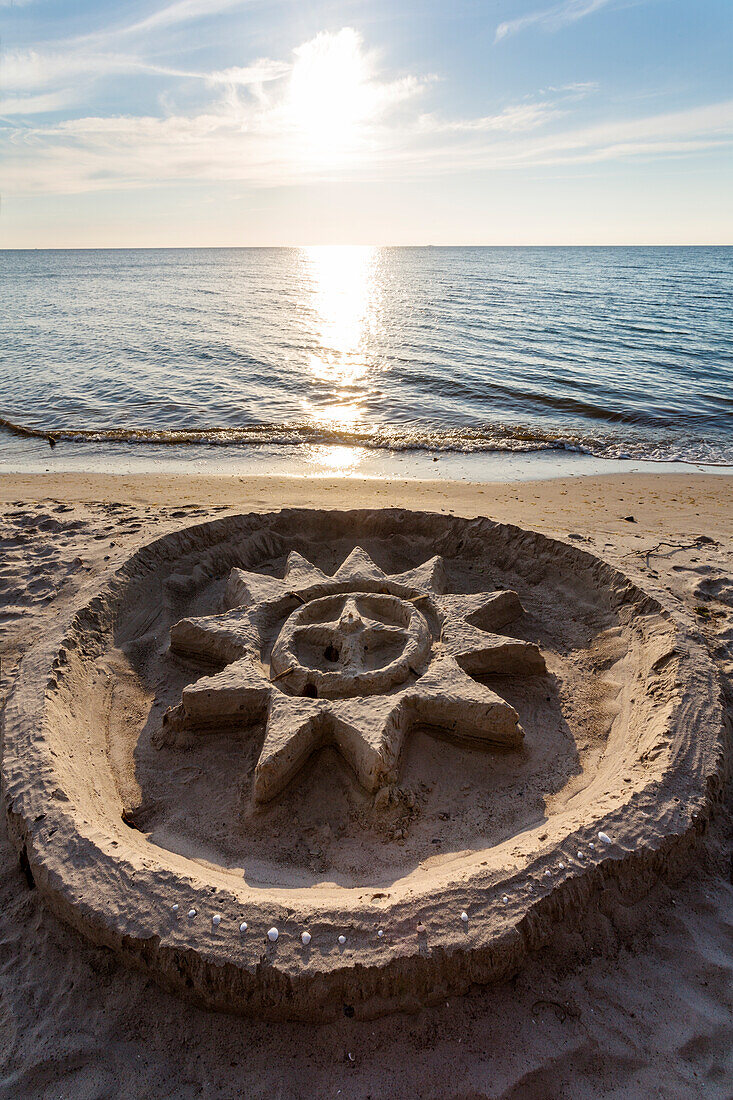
[273, 934]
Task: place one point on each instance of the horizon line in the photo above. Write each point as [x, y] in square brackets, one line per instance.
[313, 244]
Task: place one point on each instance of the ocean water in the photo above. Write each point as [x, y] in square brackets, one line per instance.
[611, 352]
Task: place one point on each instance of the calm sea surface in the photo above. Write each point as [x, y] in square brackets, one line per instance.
[617, 352]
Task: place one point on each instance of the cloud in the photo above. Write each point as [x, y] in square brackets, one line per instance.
[184, 11]
[514, 119]
[259, 145]
[98, 55]
[654, 133]
[259, 72]
[271, 122]
[676, 133]
[578, 89]
[327, 112]
[32, 70]
[560, 15]
[45, 103]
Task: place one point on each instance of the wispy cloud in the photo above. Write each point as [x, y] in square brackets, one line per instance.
[184, 11]
[109, 52]
[652, 136]
[270, 121]
[257, 140]
[326, 111]
[44, 103]
[35, 69]
[559, 15]
[259, 72]
[517, 118]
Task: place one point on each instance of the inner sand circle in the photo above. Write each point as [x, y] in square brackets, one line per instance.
[326, 646]
[495, 816]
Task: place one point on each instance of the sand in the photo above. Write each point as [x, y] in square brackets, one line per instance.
[642, 1006]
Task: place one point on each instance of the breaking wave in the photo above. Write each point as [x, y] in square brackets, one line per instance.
[459, 440]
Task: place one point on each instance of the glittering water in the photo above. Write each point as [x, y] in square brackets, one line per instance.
[613, 351]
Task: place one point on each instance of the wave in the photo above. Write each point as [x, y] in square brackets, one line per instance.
[460, 440]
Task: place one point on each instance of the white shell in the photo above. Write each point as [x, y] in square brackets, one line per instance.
[561, 866]
[175, 908]
[380, 933]
[505, 899]
[272, 935]
[243, 926]
[605, 838]
[216, 919]
[580, 855]
[464, 917]
[342, 940]
[192, 913]
[592, 846]
[548, 874]
[305, 938]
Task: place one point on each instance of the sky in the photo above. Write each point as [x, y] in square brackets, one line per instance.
[384, 122]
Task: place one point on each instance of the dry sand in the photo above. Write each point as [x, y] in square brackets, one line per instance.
[641, 1008]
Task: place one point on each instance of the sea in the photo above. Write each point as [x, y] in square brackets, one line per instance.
[465, 361]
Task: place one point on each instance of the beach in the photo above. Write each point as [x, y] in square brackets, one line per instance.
[366, 551]
[643, 1007]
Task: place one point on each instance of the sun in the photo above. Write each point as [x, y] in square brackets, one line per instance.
[330, 95]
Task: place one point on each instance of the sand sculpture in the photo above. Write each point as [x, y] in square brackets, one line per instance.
[309, 763]
[348, 640]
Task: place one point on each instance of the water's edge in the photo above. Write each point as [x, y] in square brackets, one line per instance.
[33, 455]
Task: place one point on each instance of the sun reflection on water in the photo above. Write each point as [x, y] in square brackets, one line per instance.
[342, 278]
[342, 292]
[340, 281]
[338, 461]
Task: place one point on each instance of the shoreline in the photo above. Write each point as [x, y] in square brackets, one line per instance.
[23, 455]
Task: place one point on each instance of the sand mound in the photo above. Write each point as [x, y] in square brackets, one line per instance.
[422, 740]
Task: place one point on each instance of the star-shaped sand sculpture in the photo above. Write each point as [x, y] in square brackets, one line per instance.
[353, 660]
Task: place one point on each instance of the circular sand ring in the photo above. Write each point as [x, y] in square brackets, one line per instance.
[351, 632]
[205, 930]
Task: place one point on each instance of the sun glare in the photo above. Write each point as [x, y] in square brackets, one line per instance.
[343, 300]
[330, 95]
[342, 280]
